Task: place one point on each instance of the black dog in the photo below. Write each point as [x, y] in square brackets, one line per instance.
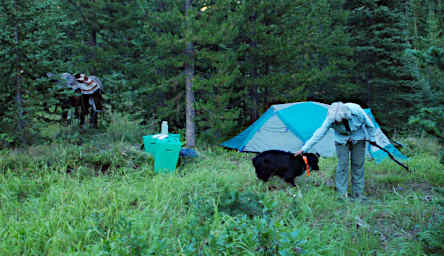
[283, 164]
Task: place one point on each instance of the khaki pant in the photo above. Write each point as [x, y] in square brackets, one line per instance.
[355, 152]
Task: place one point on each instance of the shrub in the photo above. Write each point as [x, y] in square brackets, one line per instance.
[122, 128]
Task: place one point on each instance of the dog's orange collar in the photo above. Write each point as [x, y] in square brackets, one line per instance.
[307, 168]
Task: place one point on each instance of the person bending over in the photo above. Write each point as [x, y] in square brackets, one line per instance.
[352, 126]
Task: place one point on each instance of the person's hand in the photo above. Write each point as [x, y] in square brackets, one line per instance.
[299, 152]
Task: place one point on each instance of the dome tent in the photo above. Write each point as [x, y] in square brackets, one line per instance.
[288, 126]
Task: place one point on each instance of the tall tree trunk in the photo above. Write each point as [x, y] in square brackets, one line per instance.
[19, 98]
[189, 73]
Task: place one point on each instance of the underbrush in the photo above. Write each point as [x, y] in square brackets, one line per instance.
[102, 197]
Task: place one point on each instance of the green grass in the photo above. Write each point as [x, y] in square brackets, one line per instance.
[59, 199]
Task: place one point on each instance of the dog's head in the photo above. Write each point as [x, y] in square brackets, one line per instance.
[313, 160]
[261, 173]
[264, 176]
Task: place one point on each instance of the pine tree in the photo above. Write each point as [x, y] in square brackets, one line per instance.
[247, 56]
[324, 56]
[109, 41]
[164, 95]
[218, 81]
[380, 40]
[243, 59]
[33, 46]
[104, 33]
[430, 64]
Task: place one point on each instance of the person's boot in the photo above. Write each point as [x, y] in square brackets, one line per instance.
[359, 198]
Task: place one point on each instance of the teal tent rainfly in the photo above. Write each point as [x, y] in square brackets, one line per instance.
[288, 126]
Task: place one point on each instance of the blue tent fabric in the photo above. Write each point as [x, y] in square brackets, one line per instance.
[380, 155]
[312, 114]
[240, 140]
[288, 126]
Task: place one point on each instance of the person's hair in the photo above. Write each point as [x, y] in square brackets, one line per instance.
[338, 111]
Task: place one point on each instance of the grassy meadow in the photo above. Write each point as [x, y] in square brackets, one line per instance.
[97, 194]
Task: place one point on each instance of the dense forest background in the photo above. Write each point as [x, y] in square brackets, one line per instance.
[242, 56]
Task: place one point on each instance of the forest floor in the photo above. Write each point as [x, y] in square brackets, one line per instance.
[98, 195]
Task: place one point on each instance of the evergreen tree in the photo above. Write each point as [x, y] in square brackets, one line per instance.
[235, 58]
[108, 41]
[33, 46]
[244, 59]
[164, 95]
[218, 82]
[426, 33]
[430, 114]
[380, 40]
[425, 22]
[324, 63]
[265, 52]
[247, 57]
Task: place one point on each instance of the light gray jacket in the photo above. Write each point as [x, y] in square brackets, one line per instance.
[361, 127]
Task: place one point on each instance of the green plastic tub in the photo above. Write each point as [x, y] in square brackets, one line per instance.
[165, 151]
[167, 156]
[150, 142]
